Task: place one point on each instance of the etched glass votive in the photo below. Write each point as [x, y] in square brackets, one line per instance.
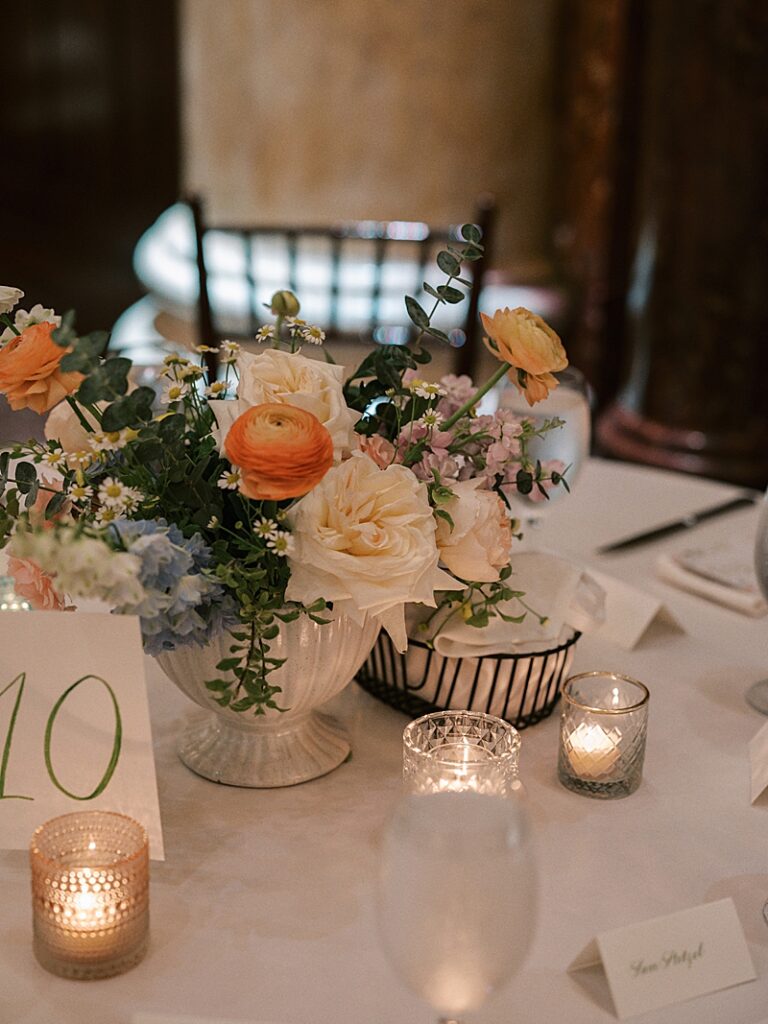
[90, 894]
[602, 734]
[460, 751]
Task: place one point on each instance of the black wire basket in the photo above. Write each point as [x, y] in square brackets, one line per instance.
[522, 688]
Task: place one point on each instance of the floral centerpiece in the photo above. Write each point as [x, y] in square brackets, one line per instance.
[283, 490]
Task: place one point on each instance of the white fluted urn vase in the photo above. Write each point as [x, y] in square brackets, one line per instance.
[279, 748]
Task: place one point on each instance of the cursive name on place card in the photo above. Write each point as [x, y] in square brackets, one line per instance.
[670, 959]
[74, 722]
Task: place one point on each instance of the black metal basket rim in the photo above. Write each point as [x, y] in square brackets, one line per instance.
[505, 657]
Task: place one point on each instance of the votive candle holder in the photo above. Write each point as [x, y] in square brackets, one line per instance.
[90, 894]
[461, 751]
[603, 729]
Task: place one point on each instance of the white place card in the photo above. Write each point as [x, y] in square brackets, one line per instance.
[758, 762]
[74, 723]
[629, 612]
[670, 959]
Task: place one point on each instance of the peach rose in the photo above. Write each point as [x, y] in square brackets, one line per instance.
[30, 376]
[519, 337]
[35, 586]
[282, 451]
[478, 545]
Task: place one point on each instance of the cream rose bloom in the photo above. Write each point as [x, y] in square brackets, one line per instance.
[63, 425]
[9, 297]
[479, 544]
[365, 540]
[288, 377]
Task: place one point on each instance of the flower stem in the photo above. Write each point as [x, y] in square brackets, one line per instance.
[5, 319]
[484, 389]
[76, 409]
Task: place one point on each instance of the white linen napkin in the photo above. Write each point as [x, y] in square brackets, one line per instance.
[553, 586]
[723, 573]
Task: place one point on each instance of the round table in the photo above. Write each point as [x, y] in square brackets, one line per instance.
[263, 909]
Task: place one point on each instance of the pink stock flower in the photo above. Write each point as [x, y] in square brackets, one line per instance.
[379, 449]
[36, 586]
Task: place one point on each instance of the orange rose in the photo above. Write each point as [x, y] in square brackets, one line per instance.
[519, 337]
[30, 377]
[282, 451]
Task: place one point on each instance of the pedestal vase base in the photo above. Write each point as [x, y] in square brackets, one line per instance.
[264, 754]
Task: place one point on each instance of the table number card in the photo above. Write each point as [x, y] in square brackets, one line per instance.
[74, 722]
[670, 959]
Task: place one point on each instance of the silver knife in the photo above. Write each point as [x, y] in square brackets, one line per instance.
[685, 523]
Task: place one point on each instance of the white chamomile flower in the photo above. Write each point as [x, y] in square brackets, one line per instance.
[265, 333]
[80, 459]
[217, 389]
[54, 458]
[175, 360]
[431, 418]
[313, 335]
[174, 392]
[229, 479]
[212, 523]
[111, 491]
[295, 324]
[413, 383]
[282, 544]
[425, 390]
[202, 349]
[230, 350]
[80, 492]
[131, 499]
[106, 515]
[191, 372]
[266, 528]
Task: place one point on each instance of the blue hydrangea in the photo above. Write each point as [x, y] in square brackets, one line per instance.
[181, 606]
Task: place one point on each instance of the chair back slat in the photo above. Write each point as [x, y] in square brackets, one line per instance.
[379, 242]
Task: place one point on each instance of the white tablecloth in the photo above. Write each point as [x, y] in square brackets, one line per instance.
[263, 909]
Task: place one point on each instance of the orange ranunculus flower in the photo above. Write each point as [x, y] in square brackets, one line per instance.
[519, 337]
[30, 377]
[282, 451]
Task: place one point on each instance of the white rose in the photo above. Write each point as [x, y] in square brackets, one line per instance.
[365, 539]
[9, 297]
[479, 543]
[64, 426]
[274, 376]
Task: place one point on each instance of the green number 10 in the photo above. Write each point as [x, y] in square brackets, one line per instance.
[116, 745]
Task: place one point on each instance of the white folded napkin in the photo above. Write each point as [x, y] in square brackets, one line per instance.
[723, 573]
[561, 590]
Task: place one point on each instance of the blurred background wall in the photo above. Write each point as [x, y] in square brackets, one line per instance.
[297, 112]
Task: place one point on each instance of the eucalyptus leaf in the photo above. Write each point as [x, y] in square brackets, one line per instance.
[448, 263]
[416, 313]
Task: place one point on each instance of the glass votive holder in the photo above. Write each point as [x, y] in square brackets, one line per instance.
[90, 894]
[461, 751]
[602, 734]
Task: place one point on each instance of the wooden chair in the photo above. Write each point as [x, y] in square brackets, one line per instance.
[354, 270]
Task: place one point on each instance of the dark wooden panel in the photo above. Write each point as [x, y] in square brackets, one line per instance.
[90, 111]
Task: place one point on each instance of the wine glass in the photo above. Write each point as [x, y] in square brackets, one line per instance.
[563, 449]
[456, 896]
[757, 694]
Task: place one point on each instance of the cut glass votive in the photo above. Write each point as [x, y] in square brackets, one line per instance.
[602, 734]
[90, 894]
[461, 751]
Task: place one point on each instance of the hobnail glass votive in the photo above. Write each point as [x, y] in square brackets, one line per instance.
[602, 734]
[460, 751]
[90, 894]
